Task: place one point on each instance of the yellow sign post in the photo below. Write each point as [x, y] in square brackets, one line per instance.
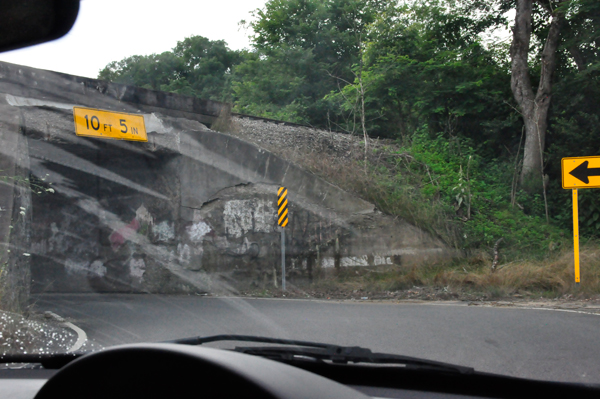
[109, 125]
[579, 172]
[282, 221]
[576, 235]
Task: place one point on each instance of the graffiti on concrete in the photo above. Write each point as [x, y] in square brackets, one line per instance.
[123, 234]
[142, 220]
[94, 269]
[184, 253]
[355, 261]
[198, 230]
[252, 215]
[74, 267]
[137, 267]
[164, 231]
[143, 216]
[97, 269]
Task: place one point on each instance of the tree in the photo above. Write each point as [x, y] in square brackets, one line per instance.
[425, 67]
[534, 106]
[196, 67]
[324, 35]
[266, 86]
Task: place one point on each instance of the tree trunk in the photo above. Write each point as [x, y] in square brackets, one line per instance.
[534, 107]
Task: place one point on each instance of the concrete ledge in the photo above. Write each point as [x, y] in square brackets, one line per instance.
[48, 85]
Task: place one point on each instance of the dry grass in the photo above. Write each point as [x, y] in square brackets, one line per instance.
[551, 277]
[555, 274]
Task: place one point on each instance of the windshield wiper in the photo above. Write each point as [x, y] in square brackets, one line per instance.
[47, 360]
[300, 350]
[294, 351]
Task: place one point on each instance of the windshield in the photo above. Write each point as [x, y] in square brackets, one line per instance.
[383, 174]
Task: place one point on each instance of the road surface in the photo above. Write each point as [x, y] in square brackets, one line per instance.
[529, 343]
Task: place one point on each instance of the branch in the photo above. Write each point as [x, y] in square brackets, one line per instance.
[549, 54]
[338, 78]
[513, 107]
[495, 262]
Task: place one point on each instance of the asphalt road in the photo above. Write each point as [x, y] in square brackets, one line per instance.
[529, 343]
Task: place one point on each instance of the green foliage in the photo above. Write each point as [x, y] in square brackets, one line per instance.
[197, 67]
[303, 49]
[268, 88]
[453, 178]
[37, 185]
[425, 65]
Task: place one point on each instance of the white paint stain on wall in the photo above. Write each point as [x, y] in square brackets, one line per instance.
[242, 216]
[97, 269]
[55, 242]
[83, 268]
[137, 267]
[143, 216]
[382, 260]
[327, 262]
[264, 214]
[164, 231]
[184, 253]
[237, 217]
[198, 230]
[75, 267]
[354, 261]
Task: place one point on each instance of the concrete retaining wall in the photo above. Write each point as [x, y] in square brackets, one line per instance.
[191, 210]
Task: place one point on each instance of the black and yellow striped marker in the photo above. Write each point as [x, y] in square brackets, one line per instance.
[282, 203]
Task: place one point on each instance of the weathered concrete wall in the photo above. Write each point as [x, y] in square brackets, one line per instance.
[33, 83]
[190, 210]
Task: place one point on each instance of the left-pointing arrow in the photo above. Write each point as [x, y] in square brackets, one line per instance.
[582, 172]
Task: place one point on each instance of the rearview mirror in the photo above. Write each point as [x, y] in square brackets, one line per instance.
[27, 22]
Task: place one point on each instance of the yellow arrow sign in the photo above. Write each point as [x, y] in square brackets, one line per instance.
[581, 172]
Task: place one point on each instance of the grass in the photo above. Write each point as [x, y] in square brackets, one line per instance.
[550, 278]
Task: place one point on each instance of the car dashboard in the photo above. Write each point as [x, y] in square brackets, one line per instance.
[174, 370]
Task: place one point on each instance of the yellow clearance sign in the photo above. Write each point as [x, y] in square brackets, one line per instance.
[109, 125]
[581, 172]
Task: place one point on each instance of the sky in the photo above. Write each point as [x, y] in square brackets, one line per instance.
[110, 30]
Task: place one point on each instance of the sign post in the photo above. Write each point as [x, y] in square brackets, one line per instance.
[579, 172]
[282, 221]
[576, 235]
